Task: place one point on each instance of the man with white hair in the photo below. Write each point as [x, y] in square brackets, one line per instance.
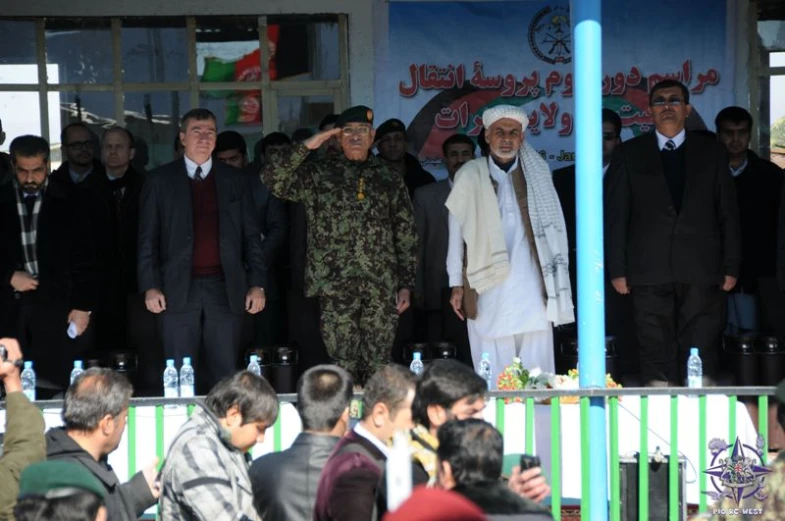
[513, 282]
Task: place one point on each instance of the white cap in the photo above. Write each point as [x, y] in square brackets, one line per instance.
[77, 364]
[254, 358]
[417, 355]
[494, 114]
[186, 360]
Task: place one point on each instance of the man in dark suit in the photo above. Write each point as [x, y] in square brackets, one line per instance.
[432, 287]
[122, 321]
[755, 303]
[265, 327]
[350, 487]
[619, 320]
[47, 264]
[284, 483]
[201, 263]
[79, 144]
[673, 238]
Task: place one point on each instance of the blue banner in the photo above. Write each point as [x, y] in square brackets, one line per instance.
[446, 62]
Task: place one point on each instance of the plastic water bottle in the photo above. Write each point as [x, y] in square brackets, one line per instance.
[28, 381]
[77, 370]
[187, 379]
[485, 371]
[416, 366]
[694, 369]
[170, 380]
[253, 367]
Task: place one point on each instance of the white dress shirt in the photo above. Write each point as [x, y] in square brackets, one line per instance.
[678, 139]
[190, 167]
[365, 433]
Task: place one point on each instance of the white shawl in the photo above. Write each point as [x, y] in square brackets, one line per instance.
[473, 202]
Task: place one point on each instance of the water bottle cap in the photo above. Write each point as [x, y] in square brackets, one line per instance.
[694, 351]
[186, 360]
[170, 363]
[28, 365]
[418, 356]
[486, 356]
[77, 364]
[254, 359]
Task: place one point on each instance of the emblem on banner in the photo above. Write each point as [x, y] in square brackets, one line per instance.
[550, 35]
[737, 470]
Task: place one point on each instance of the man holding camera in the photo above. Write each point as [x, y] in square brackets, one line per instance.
[470, 458]
[24, 428]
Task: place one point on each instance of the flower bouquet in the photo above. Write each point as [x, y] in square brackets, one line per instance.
[515, 377]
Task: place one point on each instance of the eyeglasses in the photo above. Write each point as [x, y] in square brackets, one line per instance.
[80, 144]
[673, 101]
[608, 137]
[360, 131]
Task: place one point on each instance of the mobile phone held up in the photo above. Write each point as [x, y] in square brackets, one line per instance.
[529, 462]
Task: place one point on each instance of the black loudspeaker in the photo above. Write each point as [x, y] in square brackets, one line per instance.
[658, 489]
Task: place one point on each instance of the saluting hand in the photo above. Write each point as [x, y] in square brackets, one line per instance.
[317, 140]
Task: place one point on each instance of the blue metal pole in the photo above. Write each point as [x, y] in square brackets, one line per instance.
[587, 78]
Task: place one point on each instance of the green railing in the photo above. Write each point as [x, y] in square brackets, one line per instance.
[556, 408]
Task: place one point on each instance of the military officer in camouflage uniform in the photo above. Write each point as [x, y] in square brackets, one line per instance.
[362, 247]
[772, 507]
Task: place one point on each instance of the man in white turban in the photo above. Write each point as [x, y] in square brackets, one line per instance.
[512, 283]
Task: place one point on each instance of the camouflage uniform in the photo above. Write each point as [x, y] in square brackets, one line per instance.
[772, 508]
[362, 249]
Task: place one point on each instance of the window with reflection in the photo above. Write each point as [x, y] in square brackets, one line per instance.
[235, 110]
[20, 113]
[81, 50]
[155, 50]
[296, 112]
[154, 120]
[306, 47]
[771, 87]
[17, 52]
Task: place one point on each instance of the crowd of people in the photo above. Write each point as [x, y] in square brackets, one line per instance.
[351, 256]
[335, 470]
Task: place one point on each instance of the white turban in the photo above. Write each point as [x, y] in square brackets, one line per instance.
[494, 114]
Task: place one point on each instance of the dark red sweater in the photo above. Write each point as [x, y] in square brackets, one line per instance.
[207, 249]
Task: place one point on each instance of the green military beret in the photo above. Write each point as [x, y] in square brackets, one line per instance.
[390, 126]
[358, 114]
[55, 478]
